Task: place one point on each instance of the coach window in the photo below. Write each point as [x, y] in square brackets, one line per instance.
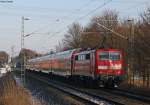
[76, 57]
[87, 56]
[80, 57]
[83, 57]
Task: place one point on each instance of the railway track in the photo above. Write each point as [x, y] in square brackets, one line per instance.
[122, 97]
[126, 93]
[83, 95]
[94, 96]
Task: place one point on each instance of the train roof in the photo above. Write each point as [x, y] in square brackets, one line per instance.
[85, 52]
[64, 54]
[109, 49]
[67, 54]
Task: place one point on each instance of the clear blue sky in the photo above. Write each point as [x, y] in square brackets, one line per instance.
[54, 16]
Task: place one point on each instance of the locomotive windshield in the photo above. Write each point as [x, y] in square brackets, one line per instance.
[109, 55]
[104, 55]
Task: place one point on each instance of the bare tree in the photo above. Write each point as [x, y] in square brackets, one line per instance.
[109, 19]
[4, 57]
[91, 37]
[143, 33]
[146, 17]
[73, 37]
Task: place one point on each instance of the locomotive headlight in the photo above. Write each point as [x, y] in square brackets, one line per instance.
[116, 66]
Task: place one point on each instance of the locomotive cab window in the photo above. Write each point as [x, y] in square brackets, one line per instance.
[114, 55]
[104, 55]
[109, 56]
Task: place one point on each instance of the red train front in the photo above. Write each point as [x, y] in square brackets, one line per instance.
[104, 66]
[109, 66]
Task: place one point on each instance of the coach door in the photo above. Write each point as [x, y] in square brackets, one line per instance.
[92, 63]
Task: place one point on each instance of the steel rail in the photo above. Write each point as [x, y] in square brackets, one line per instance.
[126, 93]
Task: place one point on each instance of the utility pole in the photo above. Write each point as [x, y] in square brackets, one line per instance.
[131, 51]
[23, 60]
[12, 57]
[22, 53]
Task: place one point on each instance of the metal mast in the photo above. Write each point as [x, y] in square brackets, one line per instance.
[23, 57]
[22, 53]
[12, 57]
[131, 52]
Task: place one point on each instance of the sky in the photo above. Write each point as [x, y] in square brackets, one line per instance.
[49, 19]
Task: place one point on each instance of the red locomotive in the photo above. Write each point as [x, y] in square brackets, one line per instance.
[104, 66]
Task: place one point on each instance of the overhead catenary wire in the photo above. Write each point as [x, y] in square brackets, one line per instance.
[117, 34]
[91, 12]
[88, 3]
[37, 30]
[105, 3]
